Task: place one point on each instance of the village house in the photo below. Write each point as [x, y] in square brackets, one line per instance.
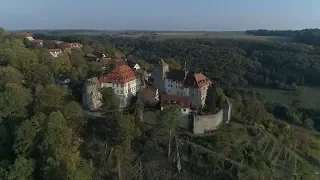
[38, 42]
[74, 45]
[62, 80]
[55, 52]
[91, 57]
[122, 80]
[133, 65]
[28, 36]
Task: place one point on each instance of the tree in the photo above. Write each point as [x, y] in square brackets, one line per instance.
[22, 169]
[95, 69]
[108, 99]
[59, 149]
[50, 98]
[9, 75]
[62, 64]
[77, 59]
[26, 135]
[49, 44]
[172, 63]
[23, 59]
[74, 115]
[40, 74]
[168, 124]
[210, 106]
[14, 101]
[125, 133]
[139, 107]
[308, 123]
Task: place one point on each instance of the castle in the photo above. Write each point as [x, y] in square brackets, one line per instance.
[181, 83]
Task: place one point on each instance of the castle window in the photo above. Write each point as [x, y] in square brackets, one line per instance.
[184, 110]
[121, 92]
[117, 91]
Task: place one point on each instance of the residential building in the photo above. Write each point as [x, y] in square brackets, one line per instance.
[55, 52]
[38, 42]
[74, 45]
[123, 81]
[181, 83]
[133, 65]
[62, 80]
[91, 57]
[28, 36]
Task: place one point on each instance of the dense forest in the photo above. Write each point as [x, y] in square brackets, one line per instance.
[306, 36]
[46, 135]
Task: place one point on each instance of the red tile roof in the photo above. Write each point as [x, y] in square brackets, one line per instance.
[74, 44]
[196, 80]
[183, 101]
[37, 41]
[119, 75]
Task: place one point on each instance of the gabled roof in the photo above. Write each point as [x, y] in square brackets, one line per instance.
[183, 101]
[119, 75]
[189, 79]
[91, 55]
[37, 41]
[196, 80]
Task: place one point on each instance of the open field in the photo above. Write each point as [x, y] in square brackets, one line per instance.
[213, 35]
[310, 97]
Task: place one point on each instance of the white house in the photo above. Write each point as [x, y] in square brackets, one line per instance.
[28, 36]
[133, 65]
[124, 82]
[55, 52]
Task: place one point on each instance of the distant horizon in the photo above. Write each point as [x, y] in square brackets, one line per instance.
[159, 15]
[160, 30]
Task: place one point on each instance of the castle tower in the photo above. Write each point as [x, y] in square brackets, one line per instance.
[159, 73]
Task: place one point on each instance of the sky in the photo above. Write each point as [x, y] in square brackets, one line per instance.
[180, 15]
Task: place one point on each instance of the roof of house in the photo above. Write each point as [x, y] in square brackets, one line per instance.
[62, 78]
[74, 44]
[91, 55]
[55, 50]
[196, 80]
[183, 101]
[37, 41]
[119, 75]
[189, 79]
